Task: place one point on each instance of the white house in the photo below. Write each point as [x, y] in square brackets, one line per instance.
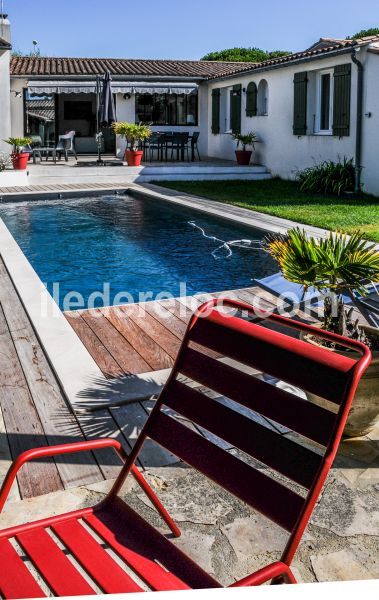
[306, 107]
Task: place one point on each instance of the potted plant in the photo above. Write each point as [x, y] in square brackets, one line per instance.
[133, 133]
[245, 139]
[334, 266]
[18, 156]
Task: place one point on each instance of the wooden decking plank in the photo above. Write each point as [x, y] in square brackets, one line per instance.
[180, 310]
[24, 428]
[163, 337]
[148, 349]
[123, 353]
[95, 347]
[131, 418]
[6, 460]
[190, 302]
[57, 419]
[98, 424]
[166, 318]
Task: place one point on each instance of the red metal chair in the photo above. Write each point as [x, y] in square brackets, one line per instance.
[150, 559]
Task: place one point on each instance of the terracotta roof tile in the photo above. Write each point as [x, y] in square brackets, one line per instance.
[50, 66]
[196, 69]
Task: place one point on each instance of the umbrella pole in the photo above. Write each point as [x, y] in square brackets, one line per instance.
[98, 131]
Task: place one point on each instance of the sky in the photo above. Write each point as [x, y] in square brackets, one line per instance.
[177, 29]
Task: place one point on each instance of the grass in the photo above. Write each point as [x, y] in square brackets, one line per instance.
[283, 199]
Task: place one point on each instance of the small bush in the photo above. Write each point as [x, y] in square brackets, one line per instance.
[5, 161]
[328, 177]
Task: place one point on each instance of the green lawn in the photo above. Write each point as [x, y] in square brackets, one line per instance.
[283, 199]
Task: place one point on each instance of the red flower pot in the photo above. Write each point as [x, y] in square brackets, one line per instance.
[133, 157]
[243, 157]
[20, 160]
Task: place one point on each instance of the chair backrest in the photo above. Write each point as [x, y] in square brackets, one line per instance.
[36, 141]
[195, 137]
[226, 399]
[66, 141]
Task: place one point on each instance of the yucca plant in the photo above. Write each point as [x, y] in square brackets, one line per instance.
[328, 177]
[332, 266]
[245, 139]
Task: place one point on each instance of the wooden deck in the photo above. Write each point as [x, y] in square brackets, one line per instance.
[138, 338]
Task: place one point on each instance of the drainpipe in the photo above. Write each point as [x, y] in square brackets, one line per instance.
[358, 136]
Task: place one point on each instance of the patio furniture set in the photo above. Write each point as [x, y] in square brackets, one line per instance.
[64, 147]
[172, 144]
[286, 492]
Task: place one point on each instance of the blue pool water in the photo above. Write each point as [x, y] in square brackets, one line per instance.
[134, 245]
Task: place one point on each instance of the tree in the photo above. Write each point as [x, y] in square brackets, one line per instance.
[244, 55]
[364, 33]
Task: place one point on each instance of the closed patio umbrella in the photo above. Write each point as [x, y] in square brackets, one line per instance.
[106, 114]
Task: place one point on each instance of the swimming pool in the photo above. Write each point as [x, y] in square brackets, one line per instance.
[110, 249]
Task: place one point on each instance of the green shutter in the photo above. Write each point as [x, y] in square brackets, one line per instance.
[341, 100]
[300, 103]
[235, 109]
[251, 99]
[216, 110]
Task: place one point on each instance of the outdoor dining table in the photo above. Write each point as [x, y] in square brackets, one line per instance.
[163, 141]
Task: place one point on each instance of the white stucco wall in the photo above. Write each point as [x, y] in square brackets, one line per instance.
[280, 151]
[370, 133]
[17, 106]
[5, 124]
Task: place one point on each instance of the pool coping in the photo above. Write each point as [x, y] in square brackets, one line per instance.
[77, 372]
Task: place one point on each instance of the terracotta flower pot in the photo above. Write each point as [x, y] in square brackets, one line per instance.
[20, 160]
[364, 411]
[133, 157]
[243, 157]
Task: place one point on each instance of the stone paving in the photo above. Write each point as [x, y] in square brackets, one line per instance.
[230, 540]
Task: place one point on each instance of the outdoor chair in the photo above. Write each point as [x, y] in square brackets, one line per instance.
[257, 342]
[66, 145]
[155, 142]
[178, 143]
[193, 145]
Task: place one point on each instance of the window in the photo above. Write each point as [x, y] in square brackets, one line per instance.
[262, 99]
[39, 118]
[167, 109]
[225, 109]
[324, 103]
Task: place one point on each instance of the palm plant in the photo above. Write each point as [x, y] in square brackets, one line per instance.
[333, 265]
[245, 139]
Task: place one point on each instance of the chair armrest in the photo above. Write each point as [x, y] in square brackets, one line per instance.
[48, 451]
[276, 569]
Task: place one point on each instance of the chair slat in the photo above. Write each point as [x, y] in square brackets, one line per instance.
[288, 458]
[304, 417]
[304, 365]
[263, 493]
[16, 581]
[102, 568]
[142, 547]
[53, 564]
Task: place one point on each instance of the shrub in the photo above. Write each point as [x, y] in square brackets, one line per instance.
[5, 161]
[328, 177]
[132, 132]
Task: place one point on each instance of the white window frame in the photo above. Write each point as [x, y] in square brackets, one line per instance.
[318, 129]
[225, 107]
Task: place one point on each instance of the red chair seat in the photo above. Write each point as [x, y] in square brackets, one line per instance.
[151, 561]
